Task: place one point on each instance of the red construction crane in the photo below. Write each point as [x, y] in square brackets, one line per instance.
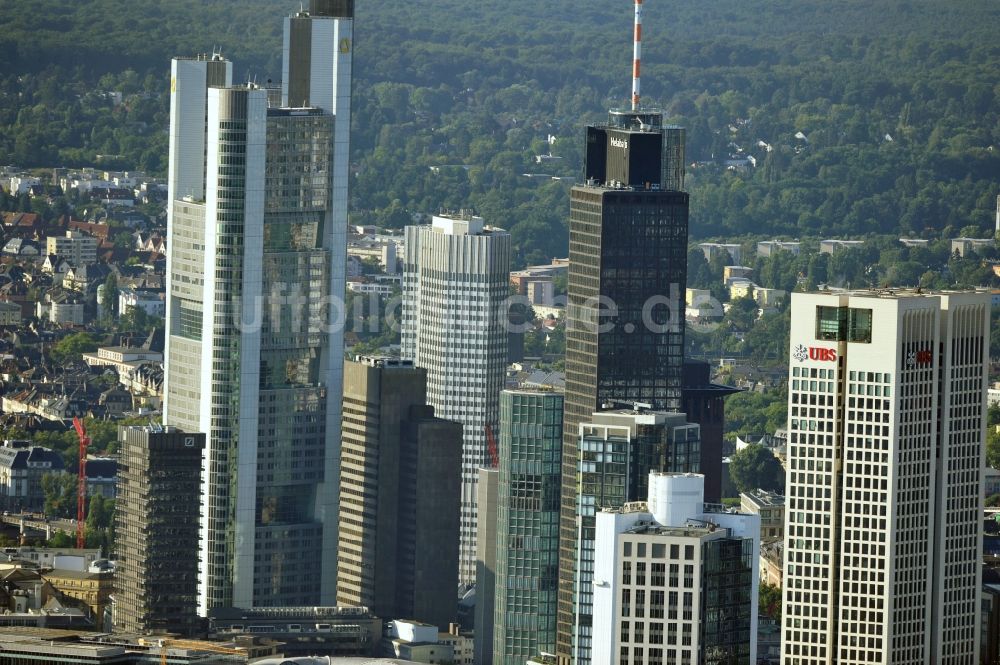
[81, 482]
[494, 455]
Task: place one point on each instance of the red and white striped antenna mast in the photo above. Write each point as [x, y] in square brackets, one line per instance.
[636, 55]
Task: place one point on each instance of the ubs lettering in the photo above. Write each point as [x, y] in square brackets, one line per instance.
[828, 355]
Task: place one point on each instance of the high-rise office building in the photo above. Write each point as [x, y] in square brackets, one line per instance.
[527, 525]
[618, 449]
[627, 274]
[156, 528]
[399, 494]
[257, 221]
[704, 402]
[675, 580]
[486, 565]
[884, 503]
[455, 285]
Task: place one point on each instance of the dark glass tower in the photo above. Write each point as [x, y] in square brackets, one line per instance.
[156, 527]
[625, 312]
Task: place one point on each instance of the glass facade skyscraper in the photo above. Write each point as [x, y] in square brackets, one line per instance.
[527, 525]
[617, 451]
[257, 251]
[625, 312]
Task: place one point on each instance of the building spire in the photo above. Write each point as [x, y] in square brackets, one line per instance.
[636, 55]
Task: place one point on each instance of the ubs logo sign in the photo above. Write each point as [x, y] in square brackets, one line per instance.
[803, 353]
[619, 143]
[919, 358]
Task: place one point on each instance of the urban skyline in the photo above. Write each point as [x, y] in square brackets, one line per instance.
[405, 445]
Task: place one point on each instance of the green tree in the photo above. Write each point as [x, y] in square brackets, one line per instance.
[993, 415]
[768, 338]
[993, 447]
[742, 313]
[770, 601]
[136, 319]
[60, 539]
[756, 413]
[816, 273]
[60, 494]
[756, 467]
[111, 294]
[99, 527]
[699, 273]
[71, 347]
[534, 344]
[555, 344]
[995, 334]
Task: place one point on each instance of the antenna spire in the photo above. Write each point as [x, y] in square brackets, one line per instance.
[636, 55]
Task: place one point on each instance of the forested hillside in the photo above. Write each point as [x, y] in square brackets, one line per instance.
[897, 102]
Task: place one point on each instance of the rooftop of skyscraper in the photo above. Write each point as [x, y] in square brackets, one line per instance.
[692, 528]
[641, 414]
[898, 293]
[462, 224]
[385, 362]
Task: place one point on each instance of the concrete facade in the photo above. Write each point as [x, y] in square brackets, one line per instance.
[486, 564]
[617, 451]
[75, 247]
[398, 546]
[675, 581]
[455, 284]
[887, 414]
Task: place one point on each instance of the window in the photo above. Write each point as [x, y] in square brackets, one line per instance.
[831, 323]
[859, 326]
[838, 324]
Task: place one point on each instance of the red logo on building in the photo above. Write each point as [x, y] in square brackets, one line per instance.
[925, 357]
[825, 355]
[801, 353]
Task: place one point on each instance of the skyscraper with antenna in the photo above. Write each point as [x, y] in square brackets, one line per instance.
[257, 221]
[625, 312]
